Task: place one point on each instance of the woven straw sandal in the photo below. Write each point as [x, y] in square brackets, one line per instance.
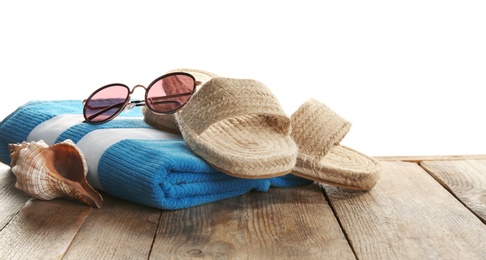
[318, 130]
[239, 128]
[167, 122]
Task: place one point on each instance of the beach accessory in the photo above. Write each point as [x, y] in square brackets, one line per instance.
[129, 159]
[318, 130]
[167, 122]
[50, 172]
[239, 127]
[166, 94]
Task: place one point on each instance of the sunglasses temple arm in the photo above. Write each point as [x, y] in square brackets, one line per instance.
[104, 110]
[163, 99]
[137, 103]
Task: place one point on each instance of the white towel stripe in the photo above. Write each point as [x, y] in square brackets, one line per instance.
[51, 129]
[95, 143]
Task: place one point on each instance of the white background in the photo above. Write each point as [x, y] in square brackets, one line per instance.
[409, 75]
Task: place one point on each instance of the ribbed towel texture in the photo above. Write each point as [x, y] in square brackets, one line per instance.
[128, 158]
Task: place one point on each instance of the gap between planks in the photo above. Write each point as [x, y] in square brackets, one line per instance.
[404, 181]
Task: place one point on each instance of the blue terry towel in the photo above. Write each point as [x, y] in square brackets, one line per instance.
[128, 158]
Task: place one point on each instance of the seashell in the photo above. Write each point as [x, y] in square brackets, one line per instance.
[49, 172]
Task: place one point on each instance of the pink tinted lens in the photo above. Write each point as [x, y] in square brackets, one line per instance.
[105, 103]
[170, 93]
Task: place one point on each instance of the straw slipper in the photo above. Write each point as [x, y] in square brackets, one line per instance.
[239, 127]
[318, 130]
[167, 122]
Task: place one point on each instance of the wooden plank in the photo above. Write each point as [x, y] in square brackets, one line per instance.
[466, 179]
[11, 198]
[118, 230]
[280, 224]
[408, 215]
[42, 229]
[432, 158]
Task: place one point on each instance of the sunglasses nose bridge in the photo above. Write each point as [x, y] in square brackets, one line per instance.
[138, 86]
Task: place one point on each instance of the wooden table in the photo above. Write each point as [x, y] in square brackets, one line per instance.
[422, 208]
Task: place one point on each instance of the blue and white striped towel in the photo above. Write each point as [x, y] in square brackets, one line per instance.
[128, 158]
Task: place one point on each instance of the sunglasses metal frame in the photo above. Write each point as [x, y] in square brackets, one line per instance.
[135, 103]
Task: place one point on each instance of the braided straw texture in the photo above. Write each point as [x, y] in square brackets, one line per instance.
[318, 130]
[239, 127]
[167, 122]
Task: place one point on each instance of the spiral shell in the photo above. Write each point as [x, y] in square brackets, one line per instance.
[49, 172]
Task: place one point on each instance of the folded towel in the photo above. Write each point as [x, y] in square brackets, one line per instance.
[128, 158]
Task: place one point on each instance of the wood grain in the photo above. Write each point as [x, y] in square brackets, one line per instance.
[432, 158]
[408, 215]
[413, 213]
[281, 224]
[11, 198]
[42, 229]
[466, 179]
[118, 230]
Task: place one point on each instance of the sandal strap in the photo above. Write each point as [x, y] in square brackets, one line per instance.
[316, 128]
[224, 98]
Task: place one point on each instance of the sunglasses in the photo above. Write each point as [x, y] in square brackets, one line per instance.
[165, 95]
